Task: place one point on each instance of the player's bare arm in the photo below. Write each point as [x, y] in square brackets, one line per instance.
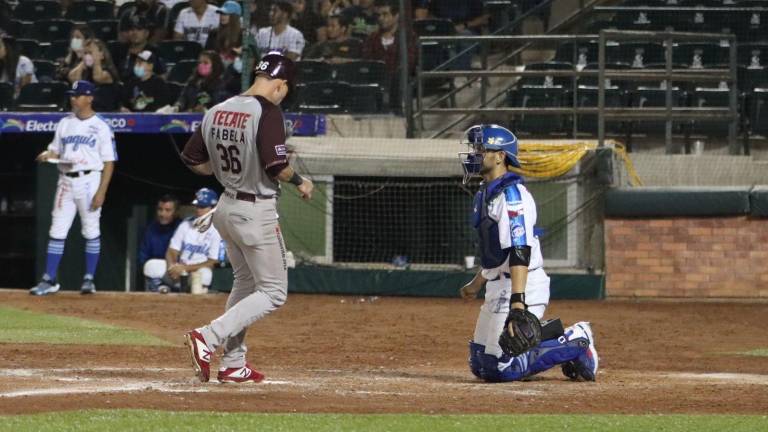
[175, 269]
[101, 192]
[303, 184]
[194, 267]
[202, 169]
[46, 155]
[470, 290]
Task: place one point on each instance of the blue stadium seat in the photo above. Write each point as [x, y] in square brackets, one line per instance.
[85, 10]
[710, 98]
[636, 54]
[586, 52]
[540, 97]
[313, 71]
[52, 29]
[587, 97]
[655, 97]
[37, 10]
[592, 81]
[176, 51]
[753, 54]
[50, 96]
[547, 80]
[751, 78]
[700, 55]
[181, 71]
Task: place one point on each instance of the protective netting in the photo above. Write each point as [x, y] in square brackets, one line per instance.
[406, 214]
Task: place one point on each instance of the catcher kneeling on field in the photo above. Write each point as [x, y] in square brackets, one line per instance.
[510, 343]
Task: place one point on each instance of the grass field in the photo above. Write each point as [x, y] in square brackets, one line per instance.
[143, 420]
[18, 326]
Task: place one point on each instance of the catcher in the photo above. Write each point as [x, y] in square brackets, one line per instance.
[510, 343]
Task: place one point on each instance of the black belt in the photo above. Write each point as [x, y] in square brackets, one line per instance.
[78, 173]
[247, 196]
[508, 276]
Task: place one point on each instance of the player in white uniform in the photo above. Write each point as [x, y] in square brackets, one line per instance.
[190, 253]
[84, 147]
[504, 215]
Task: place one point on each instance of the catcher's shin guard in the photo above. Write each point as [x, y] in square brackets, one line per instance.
[475, 351]
[502, 369]
[553, 352]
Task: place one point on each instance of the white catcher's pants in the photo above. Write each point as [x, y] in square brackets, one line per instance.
[156, 269]
[495, 309]
[74, 195]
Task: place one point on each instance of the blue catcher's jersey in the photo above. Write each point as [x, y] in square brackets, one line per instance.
[504, 214]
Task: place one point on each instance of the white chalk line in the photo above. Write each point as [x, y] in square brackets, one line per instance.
[722, 377]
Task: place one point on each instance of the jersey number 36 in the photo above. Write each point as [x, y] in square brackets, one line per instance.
[230, 158]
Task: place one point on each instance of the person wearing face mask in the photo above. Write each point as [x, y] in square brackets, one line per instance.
[205, 88]
[96, 65]
[138, 41]
[146, 91]
[229, 35]
[81, 33]
[152, 12]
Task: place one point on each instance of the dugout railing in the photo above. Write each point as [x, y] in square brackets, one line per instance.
[668, 114]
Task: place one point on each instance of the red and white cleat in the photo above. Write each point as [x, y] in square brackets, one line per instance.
[240, 375]
[201, 354]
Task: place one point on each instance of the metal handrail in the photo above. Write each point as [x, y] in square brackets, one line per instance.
[678, 9]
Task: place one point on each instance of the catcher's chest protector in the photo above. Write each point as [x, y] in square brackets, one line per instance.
[487, 229]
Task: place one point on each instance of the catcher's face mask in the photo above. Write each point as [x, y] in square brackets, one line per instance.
[472, 160]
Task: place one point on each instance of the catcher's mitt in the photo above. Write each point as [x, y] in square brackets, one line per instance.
[526, 330]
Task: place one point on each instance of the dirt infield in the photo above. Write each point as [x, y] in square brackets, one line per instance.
[368, 355]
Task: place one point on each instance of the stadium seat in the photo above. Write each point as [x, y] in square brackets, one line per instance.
[434, 27]
[176, 51]
[592, 81]
[324, 97]
[596, 26]
[18, 28]
[710, 98]
[366, 99]
[106, 98]
[52, 29]
[174, 90]
[751, 26]
[45, 70]
[6, 96]
[313, 71]
[29, 47]
[587, 97]
[181, 71]
[654, 97]
[56, 50]
[753, 54]
[105, 30]
[700, 55]
[547, 80]
[50, 96]
[586, 52]
[173, 14]
[636, 54]
[37, 10]
[90, 10]
[759, 112]
[501, 13]
[752, 78]
[362, 72]
[434, 53]
[539, 97]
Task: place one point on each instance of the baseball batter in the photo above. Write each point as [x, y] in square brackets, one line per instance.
[242, 142]
[504, 214]
[84, 146]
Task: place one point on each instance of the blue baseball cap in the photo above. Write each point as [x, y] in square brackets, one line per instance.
[230, 7]
[82, 88]
[205, 198]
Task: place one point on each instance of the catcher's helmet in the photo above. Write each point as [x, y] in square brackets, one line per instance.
[487, 137]
[205, 198]
[276, 65]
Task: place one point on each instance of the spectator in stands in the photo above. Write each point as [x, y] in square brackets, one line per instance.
[158, 233]
[65, 4]
[79, 36]
[229, 36]
[95, 66]
[154, 15]
[280, 35]
[146, 91]
[259, 10]
[195, 22]
[306, 21]
[233, 75]
[363, 18]
[467, 16]
[205, 87]
[138, 41]
[15, 68]
[383, 46]
[339, 47]
[171, 3]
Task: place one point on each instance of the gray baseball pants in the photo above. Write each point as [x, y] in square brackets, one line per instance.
[256, 250]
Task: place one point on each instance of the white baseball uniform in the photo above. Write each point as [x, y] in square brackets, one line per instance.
[84, 145]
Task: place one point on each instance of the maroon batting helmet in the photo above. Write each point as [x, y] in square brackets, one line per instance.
[276, 65]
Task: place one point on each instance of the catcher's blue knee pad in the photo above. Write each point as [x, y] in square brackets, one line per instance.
[502, 369]
[475, 350]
